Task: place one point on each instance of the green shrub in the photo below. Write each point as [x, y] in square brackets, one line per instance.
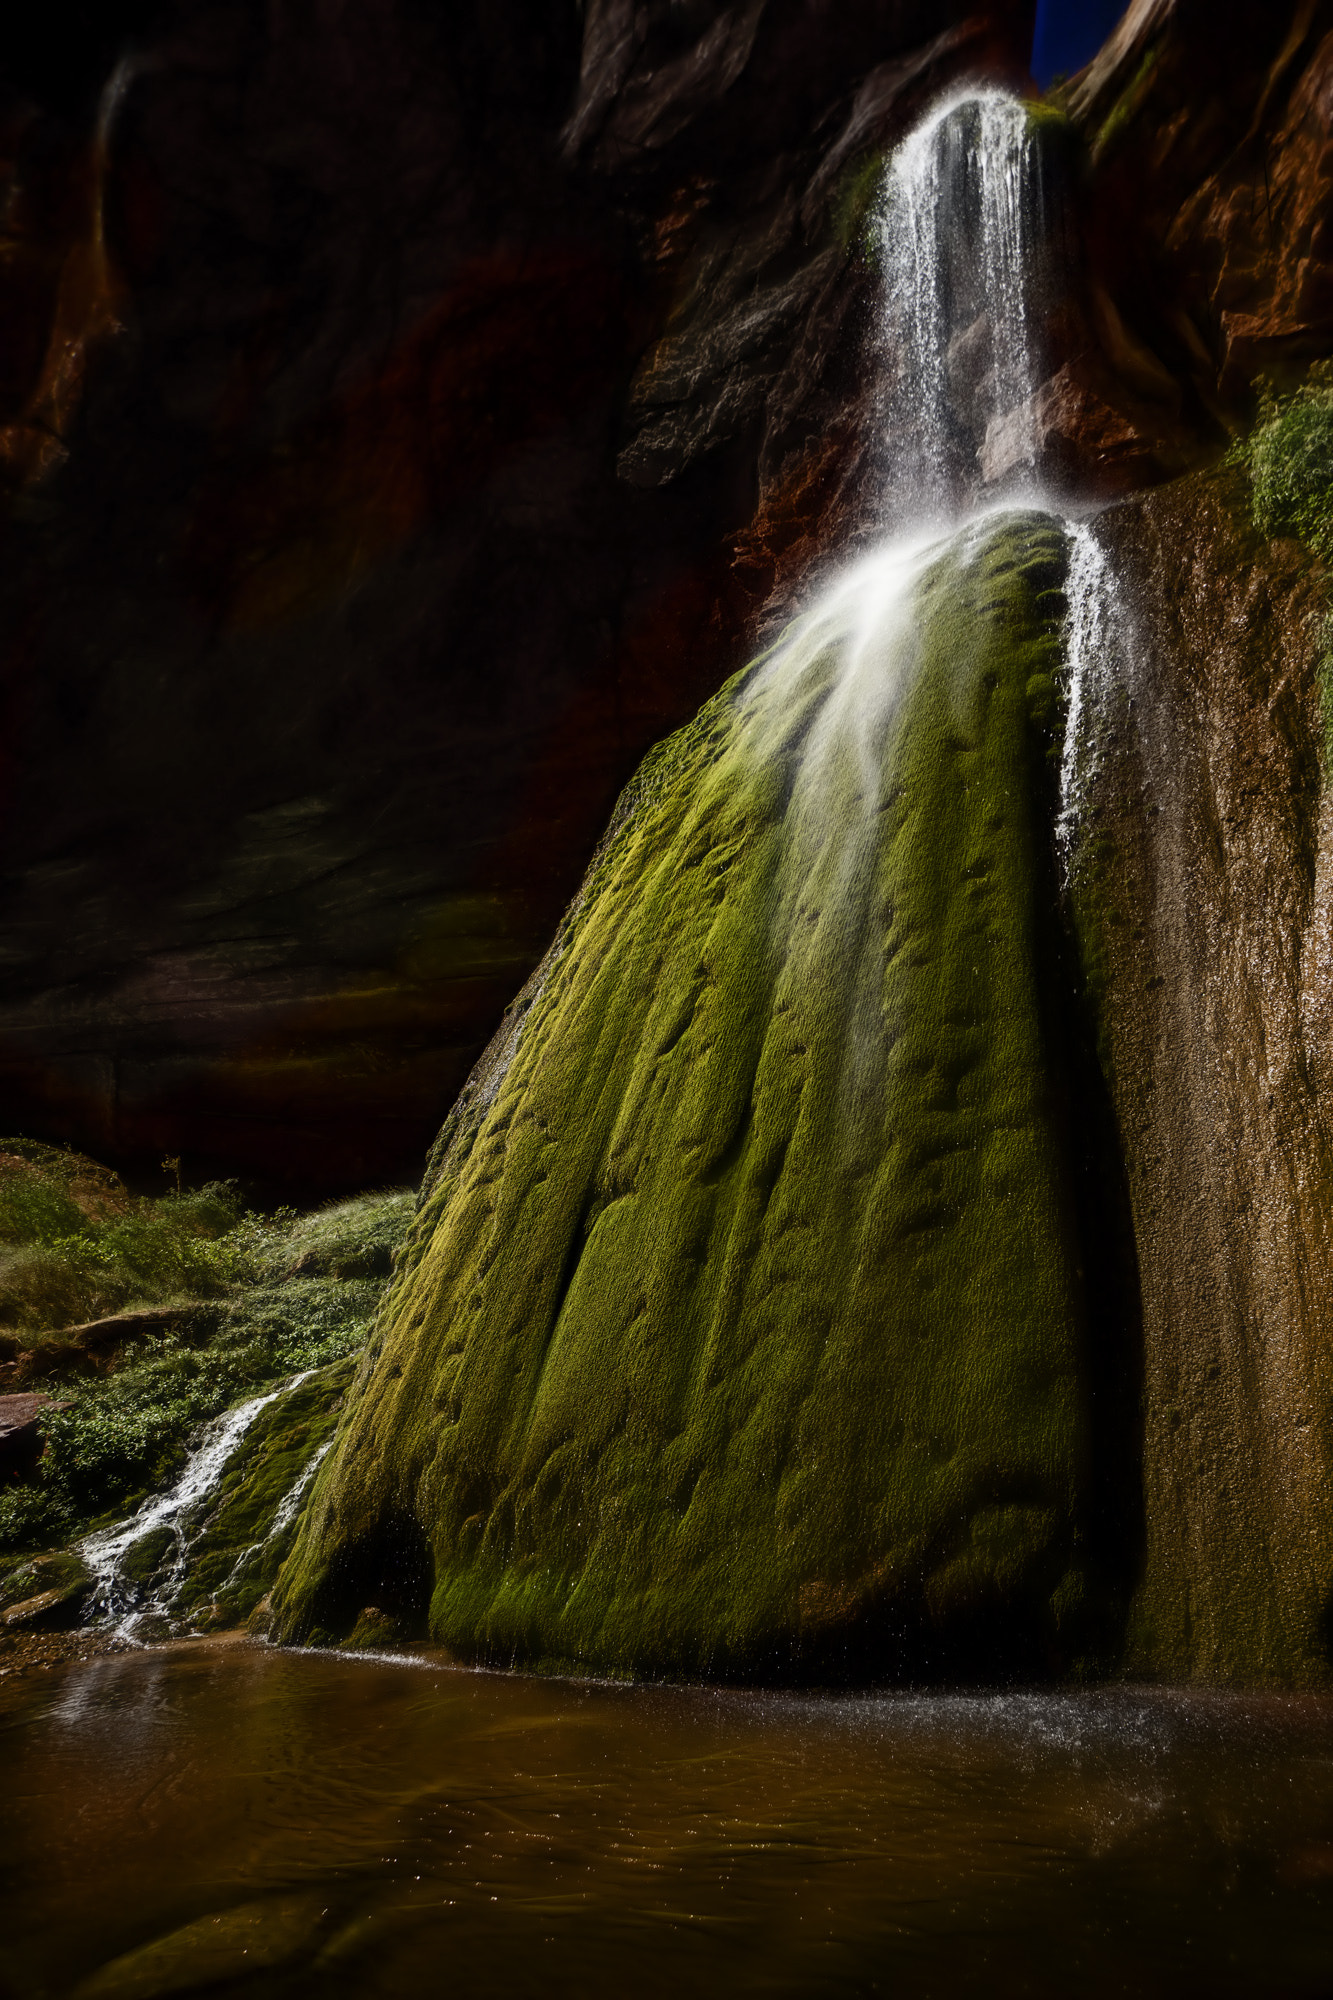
[77, 1245]
[1290, 459]
[293, 1292]
[37, 1211]
[34, 1517]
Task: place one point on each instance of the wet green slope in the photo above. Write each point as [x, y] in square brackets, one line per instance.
[742, 1326]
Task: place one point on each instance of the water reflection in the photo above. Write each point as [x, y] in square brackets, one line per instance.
[269, 1823]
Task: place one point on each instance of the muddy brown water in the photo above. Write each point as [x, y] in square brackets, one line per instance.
[203, 1820]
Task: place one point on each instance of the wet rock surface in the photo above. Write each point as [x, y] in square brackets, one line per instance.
[743, 1330]
[1203, 888]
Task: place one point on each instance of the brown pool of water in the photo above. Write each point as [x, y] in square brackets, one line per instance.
[257, 1822]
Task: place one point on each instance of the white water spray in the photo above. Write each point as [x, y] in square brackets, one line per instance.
[962, 235]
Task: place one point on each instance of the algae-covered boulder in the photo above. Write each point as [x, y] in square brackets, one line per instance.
[743, 1327]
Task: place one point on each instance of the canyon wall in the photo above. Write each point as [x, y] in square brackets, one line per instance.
[408, 414]
[1202, 888]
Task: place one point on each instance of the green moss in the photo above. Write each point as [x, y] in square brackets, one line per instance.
[854, 204]
[35, 1576]
[374, 1630]
[238, 1546]
[1289, 458]
[347, 1239]
[144, 1558]
[1048, 118]
[741, 1327]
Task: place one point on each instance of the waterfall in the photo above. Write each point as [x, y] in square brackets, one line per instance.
[752, 1305]
[963, 234]
[118, 1596]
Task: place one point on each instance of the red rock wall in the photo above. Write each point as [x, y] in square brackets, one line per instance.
[408, 413]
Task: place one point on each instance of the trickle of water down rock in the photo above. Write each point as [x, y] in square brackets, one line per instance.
[206, 1551]
[169, 1517]
[1096, 638]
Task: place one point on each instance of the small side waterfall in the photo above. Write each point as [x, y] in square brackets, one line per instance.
[120, 1597]
[963, 237]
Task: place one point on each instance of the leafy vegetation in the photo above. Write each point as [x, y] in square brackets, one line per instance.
[1289, 458]
[76, 1245]
[256, 1298]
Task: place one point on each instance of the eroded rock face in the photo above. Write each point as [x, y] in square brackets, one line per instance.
[1203, 886]
[1198, 188]
[453, 389]
[1209, 196]
[412, 417]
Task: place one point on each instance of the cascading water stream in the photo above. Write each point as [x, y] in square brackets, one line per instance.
[118, 1597]
[287, 1509]
[963, 231]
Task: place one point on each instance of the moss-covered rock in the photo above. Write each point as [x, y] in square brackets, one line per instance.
[143, 1561]
[47, 1593]
[237, 1543]
[742, 1327]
